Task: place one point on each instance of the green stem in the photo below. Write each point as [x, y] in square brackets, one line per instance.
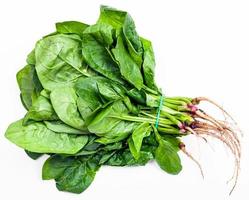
[169, 130]
[187, 100]
[171, 118]
[148, 115]
[168, 100]
[162, 122]
[150, 90]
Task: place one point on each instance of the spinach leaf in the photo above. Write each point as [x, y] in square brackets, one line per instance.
[29, 85]
[37, 138]
[138, 96]
[71, 27]
[71, 174]
[108, 124]
[106, 156]
[92, 100]
[122, 22]
[33, 155]
[128, 67]
[64, 101]
[111, 16]
[60, 127]
[135, 142]
[88, 96]
[108, 140]
[95, 49]
[111, 91]
[114, 146]
[122, 158]
[167, 157]
[59, 61]
[40, 110]
[148, 65]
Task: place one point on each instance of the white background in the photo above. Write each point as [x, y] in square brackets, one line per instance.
[201, 49]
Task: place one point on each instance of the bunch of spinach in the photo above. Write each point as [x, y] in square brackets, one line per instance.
[91, 100]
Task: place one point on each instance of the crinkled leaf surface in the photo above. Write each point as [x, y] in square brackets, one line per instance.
[64, 101]
[37, 138]
[29, 85]
[128, 67]
[71, 174]
[40, 110]
[59, 60]
[71, 27]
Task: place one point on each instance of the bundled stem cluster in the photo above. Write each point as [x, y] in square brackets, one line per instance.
[92, 100]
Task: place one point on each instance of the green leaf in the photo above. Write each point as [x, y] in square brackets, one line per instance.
[137, 95]
[113, 139]
[71, 27]
[142, 131]
[135, 143]
[33, 155]
[91, 147]
[148, 65]
[110, 90]
[60, 127]
[107, 123]
[64, 101]
[111, 16]
[37, 138]
[31, 58]
[134, 44]
[128, 68]
[95, 49]
[55, 166]
[122, 22]
[106, 156]
[59, 61]
[124, 157]
[88, 96]
[29, 85]
[71, 174]
[167, 157]
[40, 110]
[103, 33]
[151, 140]
[133, 149]
[173, 140]
[114, 146]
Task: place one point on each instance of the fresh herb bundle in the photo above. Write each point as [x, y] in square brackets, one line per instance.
[91, 100]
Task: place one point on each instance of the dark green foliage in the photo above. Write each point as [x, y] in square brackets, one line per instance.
[92, 100]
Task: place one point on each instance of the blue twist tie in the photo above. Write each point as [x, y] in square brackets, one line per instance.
[158, 111]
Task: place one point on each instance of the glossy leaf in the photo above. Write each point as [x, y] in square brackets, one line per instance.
[59, 60]
[60, 127]
[88, 96]
[37, 138]
[139, 133]
[95, 50]
[40, 110]
[29, 85]
[64, 101]
[107, 125]
[148, 65]
[125, 157]
[128, 67]
[70, 174]
[122, 22]
[167, 157]
[71, 27]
